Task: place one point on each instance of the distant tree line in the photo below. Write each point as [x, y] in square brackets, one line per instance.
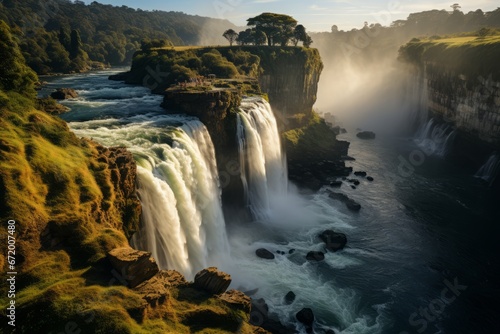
[64, 36]
[273, 29]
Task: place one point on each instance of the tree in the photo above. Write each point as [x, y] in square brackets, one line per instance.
[64, 38]
[335, 29]
[259, 37]
[278, 28]
[245, 37]
[75, 44]
[455, 7]
[15, 75]
[300, 34]
[230, 35]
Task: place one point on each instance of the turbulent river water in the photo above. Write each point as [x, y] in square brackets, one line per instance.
[422, 254]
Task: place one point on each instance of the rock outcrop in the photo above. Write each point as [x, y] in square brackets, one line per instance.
[64, 94]
[264, 254]
[237, 300]
[349, 202]
[133, 265]
[212, 280]
[333, 241]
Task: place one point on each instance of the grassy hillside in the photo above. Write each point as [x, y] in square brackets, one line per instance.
[470, 54]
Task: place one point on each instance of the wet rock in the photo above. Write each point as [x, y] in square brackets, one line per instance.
[366, 135]
[354, 181]
[336, 184]
[333, 241]
[353, 187]
[369, 178]
[264, 254]
[315, 256]
[348, 158]
[291, 251]
[64, 93]
[360, 173]
[236, 300]
[289, 298]
[305, 316]
[134, 266]
[260, 317]
[349, 203]
[212, 280]
[119, 77]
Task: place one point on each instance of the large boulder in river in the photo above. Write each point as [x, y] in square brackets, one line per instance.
[64, 93]
[264, 253]
[365, 135]
[305, 316]
[289, 298]
[315, 256]
[132, 265]
[212, 280]
[333, 241]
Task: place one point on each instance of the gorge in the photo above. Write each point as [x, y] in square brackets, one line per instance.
[125, 204]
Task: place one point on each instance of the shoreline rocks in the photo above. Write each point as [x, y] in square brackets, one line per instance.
[264, 254]
[333, 241]
[349, 202]
[64, 94]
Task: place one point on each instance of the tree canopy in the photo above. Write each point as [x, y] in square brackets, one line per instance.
[230, 35]
[14, 74]
[278, 28]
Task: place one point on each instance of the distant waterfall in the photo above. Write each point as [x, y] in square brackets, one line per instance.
[489, 171]
[263, 166]
[183, 224]
[435, 139]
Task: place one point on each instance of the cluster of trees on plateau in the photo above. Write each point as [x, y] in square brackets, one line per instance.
[270, 28]
[65, 36]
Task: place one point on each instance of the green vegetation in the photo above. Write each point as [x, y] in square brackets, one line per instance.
[179, 65]
[471, 54]
[72, 203]
[14, 74]
[276, 29]
[66, 36]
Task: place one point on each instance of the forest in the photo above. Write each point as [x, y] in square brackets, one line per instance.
[64, 36]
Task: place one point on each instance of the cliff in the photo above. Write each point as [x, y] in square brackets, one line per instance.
[288, 75]
[461, 78]
[72, 205]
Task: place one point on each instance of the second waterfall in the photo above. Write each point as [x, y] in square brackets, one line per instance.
[263, 165]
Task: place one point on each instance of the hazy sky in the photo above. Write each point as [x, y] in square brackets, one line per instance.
[316, 15]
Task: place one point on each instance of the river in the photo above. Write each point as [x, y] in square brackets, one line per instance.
[422, 254]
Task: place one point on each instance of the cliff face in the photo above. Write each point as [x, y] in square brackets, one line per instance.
[290, 78]
[472, 105]
[461, 79]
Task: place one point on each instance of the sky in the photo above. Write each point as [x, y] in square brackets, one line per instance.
[315, 15]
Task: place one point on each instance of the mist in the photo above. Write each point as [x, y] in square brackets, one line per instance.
[365, 88]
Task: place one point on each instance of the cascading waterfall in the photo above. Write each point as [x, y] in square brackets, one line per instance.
[435, 139]
[183, 224]
[263, 166]
[489, 171]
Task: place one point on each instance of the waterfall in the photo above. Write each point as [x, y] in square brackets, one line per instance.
[177, 183]
[488, 172]
[435, 138]
[263, 165]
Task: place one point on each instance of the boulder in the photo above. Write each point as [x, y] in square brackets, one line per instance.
[333, 241]
[64, 93]
[264, 253]
[336, 184]
[315, 256]
[289, 298]
[134, 266]
[365, 135]
[359, 173]
[291, 251]
[156, 290]
[349, 203]
[236, 300]
[305, 316]
[369, 178]
[212, 280]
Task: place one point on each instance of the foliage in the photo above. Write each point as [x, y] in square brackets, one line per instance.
[14, 74]
[230, 35]
[107, 34]
[278, 28]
